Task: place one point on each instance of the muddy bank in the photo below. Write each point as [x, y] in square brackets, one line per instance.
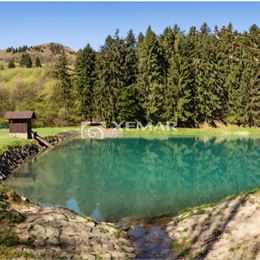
[15, 156]
[27, 230]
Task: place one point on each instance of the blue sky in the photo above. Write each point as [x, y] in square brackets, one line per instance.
[75, 24]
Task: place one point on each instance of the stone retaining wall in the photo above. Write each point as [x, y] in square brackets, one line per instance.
[15, 156]
[56, 139]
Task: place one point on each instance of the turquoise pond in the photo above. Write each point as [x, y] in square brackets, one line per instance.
[135, 177]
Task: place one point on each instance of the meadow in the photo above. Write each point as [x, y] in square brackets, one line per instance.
[224, 131]
[6, 140]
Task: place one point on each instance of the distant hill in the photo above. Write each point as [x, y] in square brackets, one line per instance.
[48, 53]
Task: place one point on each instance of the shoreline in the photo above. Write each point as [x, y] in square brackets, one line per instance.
[13, 157]
[105, 239]
[170, 234]
[190, 233]
[227, 229]
[30, 231]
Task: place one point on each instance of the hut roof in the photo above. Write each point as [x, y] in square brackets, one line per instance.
[20, 115]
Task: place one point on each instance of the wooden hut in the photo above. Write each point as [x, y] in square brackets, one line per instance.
[20, 123]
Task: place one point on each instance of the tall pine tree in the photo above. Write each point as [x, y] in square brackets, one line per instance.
[127, 102]
[85, 80]
[110, 78]
[178, 93]
[207, 101]
[150, 76]
[64, 83]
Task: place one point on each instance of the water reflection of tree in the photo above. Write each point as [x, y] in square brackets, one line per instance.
[143, 177]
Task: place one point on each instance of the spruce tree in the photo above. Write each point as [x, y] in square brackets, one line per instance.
[110, 78]
[150, 76]
[127, 103]
[167, 42]
[37, 62]
[85, 79]
[207, 101]
[250, 79]
[253, 107]
[224, 56]
[178, 93]
[236, 88]
[64, 84]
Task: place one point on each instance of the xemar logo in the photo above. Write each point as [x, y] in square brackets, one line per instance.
[96, 129]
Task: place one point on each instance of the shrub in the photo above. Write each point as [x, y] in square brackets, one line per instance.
[2, 65]
[26, 60]
[11, 64]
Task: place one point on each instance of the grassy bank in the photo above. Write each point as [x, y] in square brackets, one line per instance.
[46, 131]
[224, 132]
[6, 140]
[229, 131]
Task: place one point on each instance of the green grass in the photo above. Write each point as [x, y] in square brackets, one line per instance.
[229, 131]
[46, 131]
[6, 140]
[13, 253]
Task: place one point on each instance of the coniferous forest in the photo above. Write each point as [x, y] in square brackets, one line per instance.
[201, 76]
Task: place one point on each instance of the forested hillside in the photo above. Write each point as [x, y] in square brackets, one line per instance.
[46, 53]
[192, 78]
[32, 89]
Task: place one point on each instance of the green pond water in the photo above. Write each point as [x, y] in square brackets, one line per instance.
[114, 178]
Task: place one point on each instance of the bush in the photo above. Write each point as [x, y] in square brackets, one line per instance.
[11, 64]
[3, 123]
[26, 60]
[2, 65]
[56, 48]
[38, 62]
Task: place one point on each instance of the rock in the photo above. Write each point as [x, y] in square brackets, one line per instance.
[118, 255]
[59, 233]
[90, 224]
[88, 256]
[14, 156]
[106, 256]
[24, 199]
[128, 249]
[130, 256]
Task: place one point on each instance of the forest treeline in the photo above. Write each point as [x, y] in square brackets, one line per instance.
[192, 78]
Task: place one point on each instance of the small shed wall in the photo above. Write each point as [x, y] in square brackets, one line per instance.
[19, 126]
